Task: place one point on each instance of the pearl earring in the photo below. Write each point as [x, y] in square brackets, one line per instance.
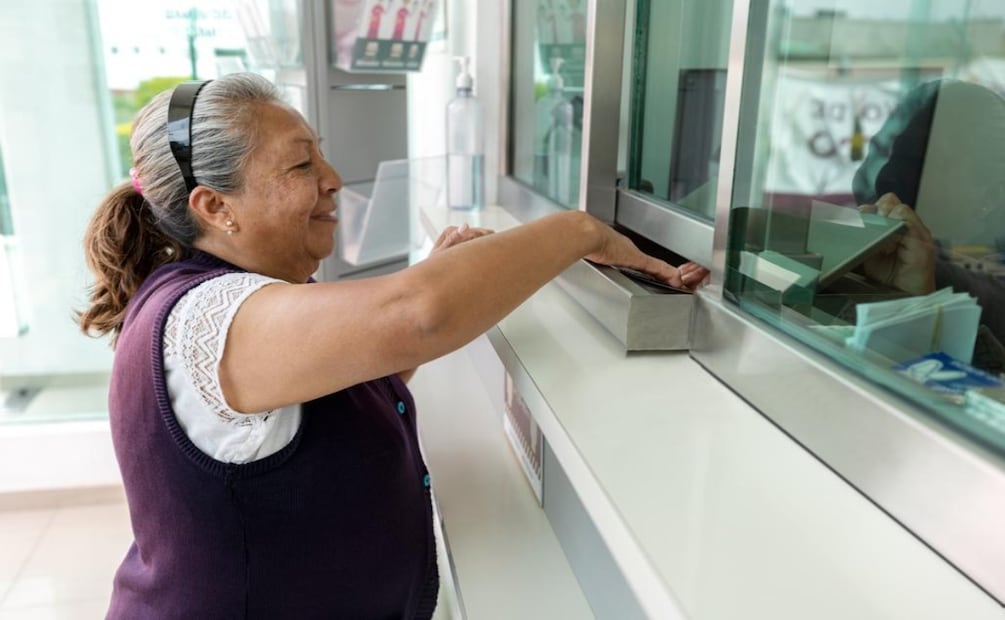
[230, 225]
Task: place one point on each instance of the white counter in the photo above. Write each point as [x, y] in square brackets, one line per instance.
[709, 510]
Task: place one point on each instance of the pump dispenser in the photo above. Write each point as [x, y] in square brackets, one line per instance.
[556, 171]
[465, 144]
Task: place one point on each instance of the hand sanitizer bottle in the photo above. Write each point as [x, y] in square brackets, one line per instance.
[559, 142]
[465, 145]
[556, 171]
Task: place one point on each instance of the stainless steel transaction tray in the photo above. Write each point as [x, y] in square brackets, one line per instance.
[644, 317]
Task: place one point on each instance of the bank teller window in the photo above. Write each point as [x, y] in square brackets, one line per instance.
[868, 213]
[678, 91]
[677, 52]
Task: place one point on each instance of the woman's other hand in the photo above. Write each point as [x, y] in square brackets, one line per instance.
[454, 235]
[907, 263]
[619, 251]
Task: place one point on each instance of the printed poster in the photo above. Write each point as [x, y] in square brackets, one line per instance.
[383, 35]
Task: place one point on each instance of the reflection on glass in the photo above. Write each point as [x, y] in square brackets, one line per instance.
[869, 211]
[549, 51]
[679, 89]
[271, 30]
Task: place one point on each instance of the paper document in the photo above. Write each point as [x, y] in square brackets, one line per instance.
[912, 327]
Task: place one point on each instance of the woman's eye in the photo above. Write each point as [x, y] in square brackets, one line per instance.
[305, 165]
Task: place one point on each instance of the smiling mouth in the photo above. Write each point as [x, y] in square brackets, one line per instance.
[327, 216]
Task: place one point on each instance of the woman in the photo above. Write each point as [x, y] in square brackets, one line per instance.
[266, 438]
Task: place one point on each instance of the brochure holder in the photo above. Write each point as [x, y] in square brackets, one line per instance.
[378, 219]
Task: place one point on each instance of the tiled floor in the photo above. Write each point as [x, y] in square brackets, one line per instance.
[58, 564]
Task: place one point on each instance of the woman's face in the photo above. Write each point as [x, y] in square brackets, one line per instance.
[285, 213]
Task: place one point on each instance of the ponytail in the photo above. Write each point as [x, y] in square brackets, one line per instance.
[131, 234]
[122, 246]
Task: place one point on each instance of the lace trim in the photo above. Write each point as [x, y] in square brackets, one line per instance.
[203, 315]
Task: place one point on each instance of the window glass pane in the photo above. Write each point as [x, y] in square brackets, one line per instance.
[64, 143]
[679, 82]
[56, 143]
[12, 285]
[549, 52]
[869, 206]
[148, 47]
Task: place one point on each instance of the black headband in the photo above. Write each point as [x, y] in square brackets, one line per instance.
[179, 127]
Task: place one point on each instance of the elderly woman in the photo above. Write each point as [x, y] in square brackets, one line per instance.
[266, 437]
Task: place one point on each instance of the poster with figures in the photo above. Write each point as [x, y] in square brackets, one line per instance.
[383, 35]
[561, 33]
[820, 135]
[524, 436]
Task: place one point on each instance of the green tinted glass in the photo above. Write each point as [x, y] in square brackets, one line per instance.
[869, 204]
[678, 89]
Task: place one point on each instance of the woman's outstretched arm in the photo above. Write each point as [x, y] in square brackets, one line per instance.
[291, 343]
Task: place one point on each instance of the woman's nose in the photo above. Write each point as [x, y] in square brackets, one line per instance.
[331, 182]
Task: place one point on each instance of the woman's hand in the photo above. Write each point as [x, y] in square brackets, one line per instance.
[617, 250]
[908, 263]
[454, 235]
[692, 274]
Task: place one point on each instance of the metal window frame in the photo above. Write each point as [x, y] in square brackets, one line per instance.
[945, 488]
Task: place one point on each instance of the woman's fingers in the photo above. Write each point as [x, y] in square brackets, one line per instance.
[444, 234]
[453, 235]
[692, 274]
[689, 275]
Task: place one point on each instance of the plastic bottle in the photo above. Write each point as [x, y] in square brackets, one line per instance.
[465, 144]
[857, 140]
[559, 143]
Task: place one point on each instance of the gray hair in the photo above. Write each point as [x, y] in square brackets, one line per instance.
[223, 134]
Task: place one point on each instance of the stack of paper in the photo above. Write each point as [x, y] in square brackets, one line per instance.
[904, 329]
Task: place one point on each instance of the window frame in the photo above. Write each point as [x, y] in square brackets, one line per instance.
[894, 452]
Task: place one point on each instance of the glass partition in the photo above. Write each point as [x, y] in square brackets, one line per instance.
[868, 214]
[549, 56]
[108, 57]
[678, 89]
[13, 289]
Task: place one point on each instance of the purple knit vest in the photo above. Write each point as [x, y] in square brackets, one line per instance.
[338, 524]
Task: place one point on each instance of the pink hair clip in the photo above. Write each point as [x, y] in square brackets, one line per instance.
[136, 181]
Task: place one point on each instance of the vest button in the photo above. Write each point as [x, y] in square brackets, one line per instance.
[425, 481]
[401, 407]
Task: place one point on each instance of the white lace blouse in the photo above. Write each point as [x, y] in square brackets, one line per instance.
[194, 337]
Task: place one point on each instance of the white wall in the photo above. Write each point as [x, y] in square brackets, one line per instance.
[57, 457]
